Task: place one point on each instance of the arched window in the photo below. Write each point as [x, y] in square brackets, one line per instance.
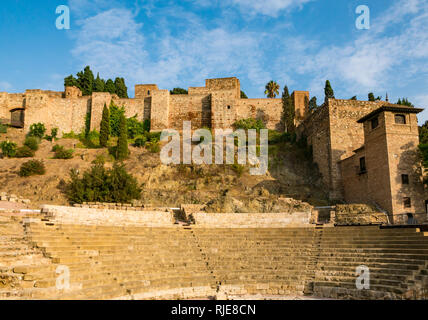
[400, 119]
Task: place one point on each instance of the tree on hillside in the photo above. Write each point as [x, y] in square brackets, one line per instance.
[288, 112]
[372, 97]
[243, 95]
[121, 89]
[105, 127]
[110, 87]
[313, 104]
[353, 98]
[99, 84]
[85, 81]
[122, 142]
[272, 89]
[179, 91]
[328, 90]
[423, 133]
[405, 102]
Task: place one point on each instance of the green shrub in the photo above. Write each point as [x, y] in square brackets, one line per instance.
[238, 169]
[103, 185]
[276, 137]
[62, 153]
[3, 128]
[146, 125]
[135, 127]
[31, 168]
[70, 135]
[56, 147]
[140, 142]
[24, 152]
[8, 148]
[32, 143]
[153, 146]
[37, 130]
[153, 136]
[249, 123]
[53, 136]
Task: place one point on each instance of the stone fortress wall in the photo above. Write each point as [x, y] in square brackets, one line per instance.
[338, 140]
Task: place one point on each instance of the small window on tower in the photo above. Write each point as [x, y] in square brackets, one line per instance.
[228, 107]
[400, 119]
[405, 179]
[407, 203]
[148, 92]
[375, 122]
[363, 168]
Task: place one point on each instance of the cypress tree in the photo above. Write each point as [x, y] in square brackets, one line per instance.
[99, 84]
[328, 90]
[371, 96]
[105, 127]
[121, 89]
[122, 142]
[85, 81]
[110, 87]
[288, 110]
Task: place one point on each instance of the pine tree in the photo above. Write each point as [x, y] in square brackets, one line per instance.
[70, 81]
[85, 81]
[243, 95]
[328, 90]
[121, 89]
[110, 87]
[405, 102]
[122, 142]
[105, 127]
[371, 96]
[99, 84]
[353, 98]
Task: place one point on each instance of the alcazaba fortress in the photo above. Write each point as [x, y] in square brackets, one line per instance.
[365, 151]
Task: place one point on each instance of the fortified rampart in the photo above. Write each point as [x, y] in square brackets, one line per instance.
[217, 105]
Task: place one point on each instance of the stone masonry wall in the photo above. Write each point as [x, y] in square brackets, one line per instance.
[267, 110]
[195, 108]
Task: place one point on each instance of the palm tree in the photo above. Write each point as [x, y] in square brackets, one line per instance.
[272, 89]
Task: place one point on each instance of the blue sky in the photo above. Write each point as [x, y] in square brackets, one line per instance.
[300, 43]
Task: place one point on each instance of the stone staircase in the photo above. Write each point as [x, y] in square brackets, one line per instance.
[184, 262]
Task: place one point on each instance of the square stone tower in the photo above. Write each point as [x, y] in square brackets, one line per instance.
[389, 162]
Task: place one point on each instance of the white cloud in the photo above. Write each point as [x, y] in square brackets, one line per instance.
[267, 7]
[377, 60]
[114, 44]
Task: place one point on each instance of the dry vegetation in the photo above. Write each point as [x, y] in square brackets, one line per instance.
[222, 188]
